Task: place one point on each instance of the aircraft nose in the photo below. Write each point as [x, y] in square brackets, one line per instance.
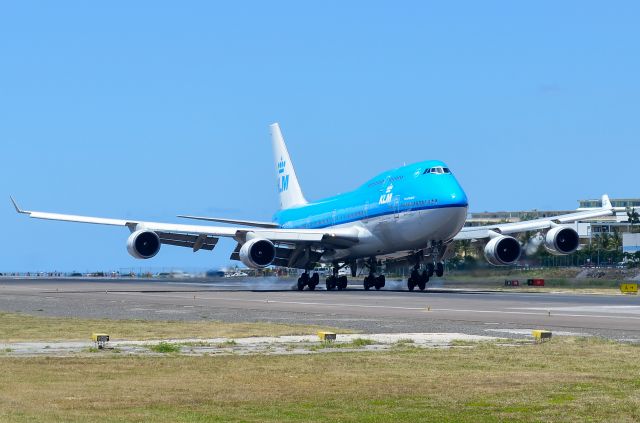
[458, 197]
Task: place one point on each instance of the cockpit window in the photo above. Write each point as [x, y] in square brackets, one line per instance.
[438, 170]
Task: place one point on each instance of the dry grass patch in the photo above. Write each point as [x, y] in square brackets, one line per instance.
[561, 380]
[16, 327]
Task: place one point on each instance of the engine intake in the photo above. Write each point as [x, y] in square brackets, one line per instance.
[561, 241]
[502, 250]
[143, 244]
[257, 253]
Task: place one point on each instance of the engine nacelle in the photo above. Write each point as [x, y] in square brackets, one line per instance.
[502, 250]
[257, 253]
[143, 244]
[561, 241]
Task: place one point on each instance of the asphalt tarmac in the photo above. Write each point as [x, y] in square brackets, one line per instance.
[489, 313]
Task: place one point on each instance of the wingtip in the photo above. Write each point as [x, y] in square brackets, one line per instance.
[15, 205]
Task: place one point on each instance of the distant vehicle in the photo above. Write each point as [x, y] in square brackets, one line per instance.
[322, 271]
[344, 271]
[413, 213]
[76, 275]
[237, 274]
[214, 274]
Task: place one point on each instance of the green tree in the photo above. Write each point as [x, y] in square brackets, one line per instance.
[633, 217]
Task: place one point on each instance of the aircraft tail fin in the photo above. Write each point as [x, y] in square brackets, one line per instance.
[288, 185]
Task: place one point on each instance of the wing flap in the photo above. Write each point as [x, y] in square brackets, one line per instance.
[196, 242]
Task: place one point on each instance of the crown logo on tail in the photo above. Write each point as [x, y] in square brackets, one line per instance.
[281, 165]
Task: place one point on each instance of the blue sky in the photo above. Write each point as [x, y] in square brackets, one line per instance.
[152, 109]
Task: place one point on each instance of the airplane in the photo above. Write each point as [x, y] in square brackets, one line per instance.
[415, 212]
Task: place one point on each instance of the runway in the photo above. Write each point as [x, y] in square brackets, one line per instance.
[493, 313]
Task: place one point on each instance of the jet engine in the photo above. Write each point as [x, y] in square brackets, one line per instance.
[143, 244]
[257, 253]
[502, 250]
[561, 241]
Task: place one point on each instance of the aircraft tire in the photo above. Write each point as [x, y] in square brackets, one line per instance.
[365, 283]
[431, 268]
[439, 269]
[300, 284]
[314, 281]
[422, 285]
[342, 282]
[411, 284]
[330, 283]
[380, 281]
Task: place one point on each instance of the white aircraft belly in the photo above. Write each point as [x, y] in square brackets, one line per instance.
[407, 231]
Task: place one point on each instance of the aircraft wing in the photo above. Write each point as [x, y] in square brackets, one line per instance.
[480, 232]
[193, 235]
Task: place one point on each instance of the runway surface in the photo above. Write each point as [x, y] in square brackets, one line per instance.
[509, 314]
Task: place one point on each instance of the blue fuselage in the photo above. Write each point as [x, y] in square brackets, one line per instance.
[406, 189]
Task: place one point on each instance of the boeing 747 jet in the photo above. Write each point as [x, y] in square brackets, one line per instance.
[414, 212]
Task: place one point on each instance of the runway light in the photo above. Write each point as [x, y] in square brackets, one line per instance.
[541, 335]
[327, 336]
[100, 339]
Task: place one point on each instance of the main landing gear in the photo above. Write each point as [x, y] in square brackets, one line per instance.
[373, 281]
[306, 280]
[418, 279]
[336, 282]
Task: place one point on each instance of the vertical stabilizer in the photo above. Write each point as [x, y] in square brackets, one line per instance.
[288, 186]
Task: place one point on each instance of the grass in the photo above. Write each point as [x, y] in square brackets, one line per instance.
[356, 343]
[165, 348]
[16, 327]
[561, 380]
[227, 344]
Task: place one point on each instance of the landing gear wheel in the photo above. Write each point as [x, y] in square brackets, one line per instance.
[414, 279]
[365, 283]
[331, 283]
[439, 269]
[303, 280]
[430, 268]
[314, 281]
[342, 282]
[424, 280]
[380, 280]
